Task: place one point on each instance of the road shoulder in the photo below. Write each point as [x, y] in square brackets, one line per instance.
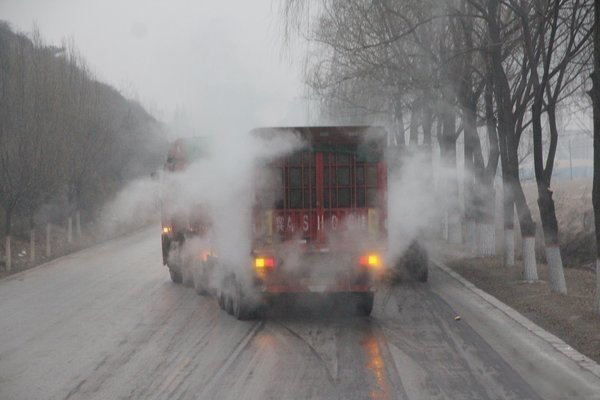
[549, 364]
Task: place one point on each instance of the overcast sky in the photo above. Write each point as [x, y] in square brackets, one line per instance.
[217, 60]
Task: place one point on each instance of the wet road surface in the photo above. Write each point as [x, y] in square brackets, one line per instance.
[107, 323]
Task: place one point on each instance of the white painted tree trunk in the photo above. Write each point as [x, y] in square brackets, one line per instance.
[32, 245]
[509, 247]
[555, 270]
[78, 223]
[598, 286]
[7, 252]
[48, 248]
[471, 237]
[486, 239]
[454, 229]
[529, 263]
[70, 230]
[444, 227]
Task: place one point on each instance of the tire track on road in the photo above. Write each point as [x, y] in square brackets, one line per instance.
[227, 363]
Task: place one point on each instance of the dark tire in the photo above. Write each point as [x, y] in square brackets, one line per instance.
[241, 308]
[175, 275]
[200, 289]
[228, 303]
[416, 262]
[423, 274]
[200, 283]
[364, 303]
[221, 299]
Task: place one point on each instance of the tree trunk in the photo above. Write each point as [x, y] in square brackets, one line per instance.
[427, 127]
[70, 229]
[78, 223]
[595, 94]
[508, 204]
[545, 201]
[442, 184]
[509, 144]
[415, 112]
[7, 242]
[448, 151]
[486, 227]
[399, 114]
[8, 252]
[48, 243]
[527, 230]
[31, 239]
[472, 173]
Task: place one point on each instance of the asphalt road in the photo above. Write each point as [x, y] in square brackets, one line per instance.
[107, 323]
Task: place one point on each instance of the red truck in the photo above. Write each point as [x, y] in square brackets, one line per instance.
[319, 221]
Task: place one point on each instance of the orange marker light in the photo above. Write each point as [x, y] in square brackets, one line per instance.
[373, 260]
[262, 262]
[166, 229]
[370, 260]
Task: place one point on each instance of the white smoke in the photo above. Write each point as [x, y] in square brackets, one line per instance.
[133, 207]
[224, 182]
[413, 208]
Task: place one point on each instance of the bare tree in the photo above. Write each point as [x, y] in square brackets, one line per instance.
[553, 35]
[63, 133]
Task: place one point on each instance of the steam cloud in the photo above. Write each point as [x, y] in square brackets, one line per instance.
[223, 183]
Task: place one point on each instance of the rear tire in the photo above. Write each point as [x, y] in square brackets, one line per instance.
[199, 282]
[221, 300]
[364, 303]
[228, 304]
[416, 261]
[241, 308]
[175, 275]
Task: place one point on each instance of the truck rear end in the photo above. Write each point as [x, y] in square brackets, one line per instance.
[319, 219]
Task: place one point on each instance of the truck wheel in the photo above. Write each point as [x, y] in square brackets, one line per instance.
[364, 303]
[242, 310]
[175, 276]
[199, 284]
[199, 288]
[228, 303]
[221, 299]
[242, 307]
[416, 262]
